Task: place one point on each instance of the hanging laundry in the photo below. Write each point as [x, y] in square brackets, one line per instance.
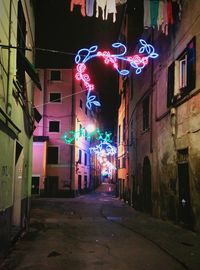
[120, 2]
[154, 4]
[147, 17]
[89, 8]
[101, 4]
[160, 19]
[80, 3]
[169, 12]
[111, 8]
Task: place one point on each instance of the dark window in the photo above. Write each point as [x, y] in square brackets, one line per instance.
[86, 110]
[54, 126]
[21, 44]
[124, 130]
[145, 106]
[182, 74]
[85, 181]
[55, 75]
[119, 134]
[79, 156]
[131, 88]
[118, 163]
[123, 162]
[170, 85]
[52, 155]
[85, 162]
[81, 104]
[55, 97]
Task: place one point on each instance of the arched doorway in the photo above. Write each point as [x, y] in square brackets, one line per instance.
[147, 202]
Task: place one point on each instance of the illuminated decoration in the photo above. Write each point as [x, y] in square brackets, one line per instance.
[103, 149]
[138, 62]
[71, 136]
[107, 169]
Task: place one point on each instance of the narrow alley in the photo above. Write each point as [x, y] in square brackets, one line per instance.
[98, 231]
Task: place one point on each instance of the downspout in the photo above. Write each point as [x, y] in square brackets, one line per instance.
[72, 146]
[151, 98]
[9, 56]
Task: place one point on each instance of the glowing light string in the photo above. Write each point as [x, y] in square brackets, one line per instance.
[103, 151]
[71, 136]
[138, 62]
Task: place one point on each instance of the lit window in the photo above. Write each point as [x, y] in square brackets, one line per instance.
[55, 97]
[54, 126]
[182, 74]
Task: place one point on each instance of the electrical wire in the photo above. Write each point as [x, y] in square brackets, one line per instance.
[40, 105]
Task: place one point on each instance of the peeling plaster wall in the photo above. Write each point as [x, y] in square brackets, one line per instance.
[170, 130]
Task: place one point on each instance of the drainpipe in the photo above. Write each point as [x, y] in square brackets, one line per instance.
[151, 98]
[72, 146]
[9, 56]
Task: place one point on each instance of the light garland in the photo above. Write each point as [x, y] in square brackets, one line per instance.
[72, 135]
[138, 62]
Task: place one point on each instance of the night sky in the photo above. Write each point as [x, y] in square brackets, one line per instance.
[66, 32]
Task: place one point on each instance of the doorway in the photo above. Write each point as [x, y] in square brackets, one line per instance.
[35, 185]
[79, 183]
[147, 201]
[17, 190]
[184, 210]
[51, 186]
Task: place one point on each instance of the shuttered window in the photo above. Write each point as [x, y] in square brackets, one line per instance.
[182, 74]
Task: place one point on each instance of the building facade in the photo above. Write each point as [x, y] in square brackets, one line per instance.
[164, 149]
[17, 75]
[62, 165]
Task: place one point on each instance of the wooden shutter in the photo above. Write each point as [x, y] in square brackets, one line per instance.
[170, 85]
[191, 65]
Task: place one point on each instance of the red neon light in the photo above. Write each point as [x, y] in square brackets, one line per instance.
[138, 60]
[82, 76]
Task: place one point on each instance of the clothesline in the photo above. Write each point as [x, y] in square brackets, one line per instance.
[157, 13]
[103, 7]
[160, 14]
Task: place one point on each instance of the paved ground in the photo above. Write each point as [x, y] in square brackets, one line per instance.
[98, 231]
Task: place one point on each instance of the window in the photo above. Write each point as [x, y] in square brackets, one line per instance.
[21, 43]
[118, 163]
[131, 89]
[145, 106]
[54, 126]
[79, 156]
[55, 97]
[86, 110]
[124, 130]
[132, 135]
[85, 181]
[81, 104]
[182, 74]
[123, 162]
[55, 75]
[85, 161]
[119, 134]
[52, 155]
